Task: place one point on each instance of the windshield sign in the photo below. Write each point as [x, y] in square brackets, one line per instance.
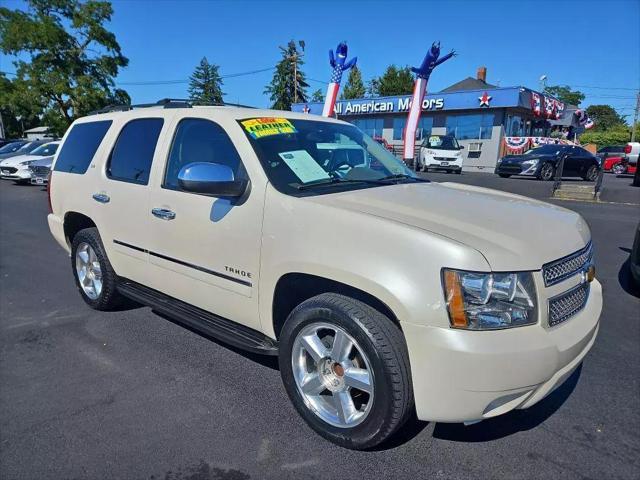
[321, 157]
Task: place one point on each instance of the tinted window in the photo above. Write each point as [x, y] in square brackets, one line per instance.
[465, 127]
[132, 155]
[198, 140]
[12, 147]
[80, 146]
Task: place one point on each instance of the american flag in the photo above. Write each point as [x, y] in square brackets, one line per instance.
[332, 91]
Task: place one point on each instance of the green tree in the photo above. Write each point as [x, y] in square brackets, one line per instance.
[605, 117]
[565, 94]
[289, 82]
[618, 135]
[354, 88]
[394, 81]
[65, 58]
[19, 112]
[205, 85]
[317, 96]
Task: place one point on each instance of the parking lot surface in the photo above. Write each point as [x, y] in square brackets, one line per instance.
[129, 394]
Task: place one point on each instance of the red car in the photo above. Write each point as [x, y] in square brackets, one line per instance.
[618, 166]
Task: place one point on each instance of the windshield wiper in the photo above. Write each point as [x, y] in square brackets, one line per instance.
[403, 176]
[336, 181]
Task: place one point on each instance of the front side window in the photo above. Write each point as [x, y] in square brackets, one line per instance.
[308, 157]
[80, 146]
[199, 140]
[132, 155]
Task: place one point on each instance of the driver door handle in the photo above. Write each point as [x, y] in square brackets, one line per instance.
[163, 213]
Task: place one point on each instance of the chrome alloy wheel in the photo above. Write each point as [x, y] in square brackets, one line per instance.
[332, 374]
[88, 271]
[546, 173]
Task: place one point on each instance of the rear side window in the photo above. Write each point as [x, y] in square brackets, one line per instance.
[199, 140]
[132, 155]
[80, 146]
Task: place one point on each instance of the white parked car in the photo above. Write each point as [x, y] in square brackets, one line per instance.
[382, 293]
[17, 168]
[440, 152]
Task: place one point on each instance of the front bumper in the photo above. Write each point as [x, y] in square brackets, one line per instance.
[465, 376]
[516, 169]
[16, 174]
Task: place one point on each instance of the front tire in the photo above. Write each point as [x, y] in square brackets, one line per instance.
[345, 367]
[95, 278]
[504, 175]
[547, 172]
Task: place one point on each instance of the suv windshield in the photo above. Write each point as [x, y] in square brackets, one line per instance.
[46, 149]
[441, 142]
[321, 157]
[11, 147]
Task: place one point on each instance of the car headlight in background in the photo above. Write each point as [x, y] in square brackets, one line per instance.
[530, 163]
[29, 162]
[485, 301]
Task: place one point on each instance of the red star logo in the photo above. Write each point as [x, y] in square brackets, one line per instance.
[484, 99]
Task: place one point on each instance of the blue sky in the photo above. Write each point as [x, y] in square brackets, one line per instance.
[584, 44]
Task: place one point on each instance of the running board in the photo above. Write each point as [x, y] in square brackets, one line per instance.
[200, 320]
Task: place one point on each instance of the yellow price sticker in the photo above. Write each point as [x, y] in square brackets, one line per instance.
[263, 127]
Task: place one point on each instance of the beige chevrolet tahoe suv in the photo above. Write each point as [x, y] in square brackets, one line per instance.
[294, 235]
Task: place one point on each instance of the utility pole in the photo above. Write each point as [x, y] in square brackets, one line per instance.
[635, 118]
[294, 60]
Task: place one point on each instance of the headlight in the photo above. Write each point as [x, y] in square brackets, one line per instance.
[485, 301]
[430, 152]
[27, 162]
[530, 163]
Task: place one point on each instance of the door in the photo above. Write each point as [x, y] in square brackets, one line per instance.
[206, 250]
[572, 162]
[122, 197]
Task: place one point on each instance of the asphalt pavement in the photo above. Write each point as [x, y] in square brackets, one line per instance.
[130, 395]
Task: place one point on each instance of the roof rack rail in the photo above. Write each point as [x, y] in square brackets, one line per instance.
[167, 103]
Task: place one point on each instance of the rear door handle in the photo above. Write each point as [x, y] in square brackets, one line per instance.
[163, 213]
[101, 197]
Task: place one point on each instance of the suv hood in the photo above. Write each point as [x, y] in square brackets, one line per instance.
[511, 231]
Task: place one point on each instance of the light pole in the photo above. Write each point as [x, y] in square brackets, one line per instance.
[635, 118]
[294, 60]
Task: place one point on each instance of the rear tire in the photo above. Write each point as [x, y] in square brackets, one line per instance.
[93, 273]
[592, 174]
[619, 169]
[320, 379]
[504, 175]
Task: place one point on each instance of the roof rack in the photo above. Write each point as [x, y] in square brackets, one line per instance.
[167, 103]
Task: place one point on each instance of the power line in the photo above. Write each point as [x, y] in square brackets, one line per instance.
[170, 82]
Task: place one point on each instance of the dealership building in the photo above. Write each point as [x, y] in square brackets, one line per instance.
[478, 114]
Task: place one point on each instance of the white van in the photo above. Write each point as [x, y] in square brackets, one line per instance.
[440, 152]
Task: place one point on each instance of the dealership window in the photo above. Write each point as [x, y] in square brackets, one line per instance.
[515, 126]
[425, 125]
[466, 127]
[370, 126]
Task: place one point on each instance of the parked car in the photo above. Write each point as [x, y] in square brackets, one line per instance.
[631, 151]
[17, 168]
[610, 151]
[440, 152]
[383, 142]
[618, 165]
[377, 301]
[541, 162]
[40, 170]
[25, 147]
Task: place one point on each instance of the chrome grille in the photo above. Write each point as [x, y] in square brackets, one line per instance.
[567, 304]
[40, 170]
[558, 270]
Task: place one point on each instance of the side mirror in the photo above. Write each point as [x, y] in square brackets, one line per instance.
[461, 147]
[211, 179]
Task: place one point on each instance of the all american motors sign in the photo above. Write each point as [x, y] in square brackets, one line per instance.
[400, 104]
